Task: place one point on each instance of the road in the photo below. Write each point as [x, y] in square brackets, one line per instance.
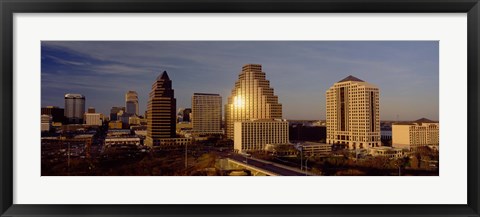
[265, 166]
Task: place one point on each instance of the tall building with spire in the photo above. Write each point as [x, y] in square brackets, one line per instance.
[353, 114]
[131, 102]
[161, 107]
[251, 98]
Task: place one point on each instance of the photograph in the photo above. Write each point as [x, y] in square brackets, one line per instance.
[240, 108]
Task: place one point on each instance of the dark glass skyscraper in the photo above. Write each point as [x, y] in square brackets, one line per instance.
[186, 115]
[114, 111]
[57, 113]
[161, 108]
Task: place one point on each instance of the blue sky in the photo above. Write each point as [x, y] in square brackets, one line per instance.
[299, 71]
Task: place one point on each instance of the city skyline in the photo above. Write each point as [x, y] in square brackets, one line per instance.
[300, 72]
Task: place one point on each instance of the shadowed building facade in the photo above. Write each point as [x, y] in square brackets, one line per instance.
[57, 113]
[206, 113]
[114, 112]
[161, 107]
[251, 98]
[353, 114]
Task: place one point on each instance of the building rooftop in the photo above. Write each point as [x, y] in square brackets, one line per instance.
[419, 121]
[206, 94]
[424, 120]
[83, 136]
[123, 137]
[386, 148]
[314, 144]
[350, 78]
[265, 120]
[163, 76]
[74, 95]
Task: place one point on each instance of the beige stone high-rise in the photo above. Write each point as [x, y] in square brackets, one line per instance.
[353, 114]
[251, 98]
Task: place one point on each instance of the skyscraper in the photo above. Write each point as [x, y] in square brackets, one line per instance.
[131, 102]
[74, 108]
[57, 113]
[91, 110]
[114, 112]
[207, 113]
[161, 111]
[353, 114]
[251, 98]
[186, 115]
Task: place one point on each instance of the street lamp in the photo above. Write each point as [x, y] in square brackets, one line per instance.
[186, 164]
[306, 166]
[398, 165]
[68, 157]
[301, 158]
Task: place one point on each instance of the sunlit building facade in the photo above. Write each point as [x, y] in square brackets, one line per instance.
[206, 113]
[251, 98]
[131, 102]
[416, 134]
[46, 122]
[74, 108]
[353, 114]
[254, 135]
[93, 119]
[161, 108]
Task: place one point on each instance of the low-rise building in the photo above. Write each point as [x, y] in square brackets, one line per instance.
[134, 120]
[119, 132]
[282, 150]
[46, 122]
[315, 149]
[142, 133]
[73, 127]
[122, 140]
[388, 152]
[253, 135]
[93, 119]
[174, 142]
[412, 135]
[184, 128]
[75, 146]
[115, 125]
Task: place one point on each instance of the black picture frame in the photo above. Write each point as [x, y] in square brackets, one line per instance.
[9, 7]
